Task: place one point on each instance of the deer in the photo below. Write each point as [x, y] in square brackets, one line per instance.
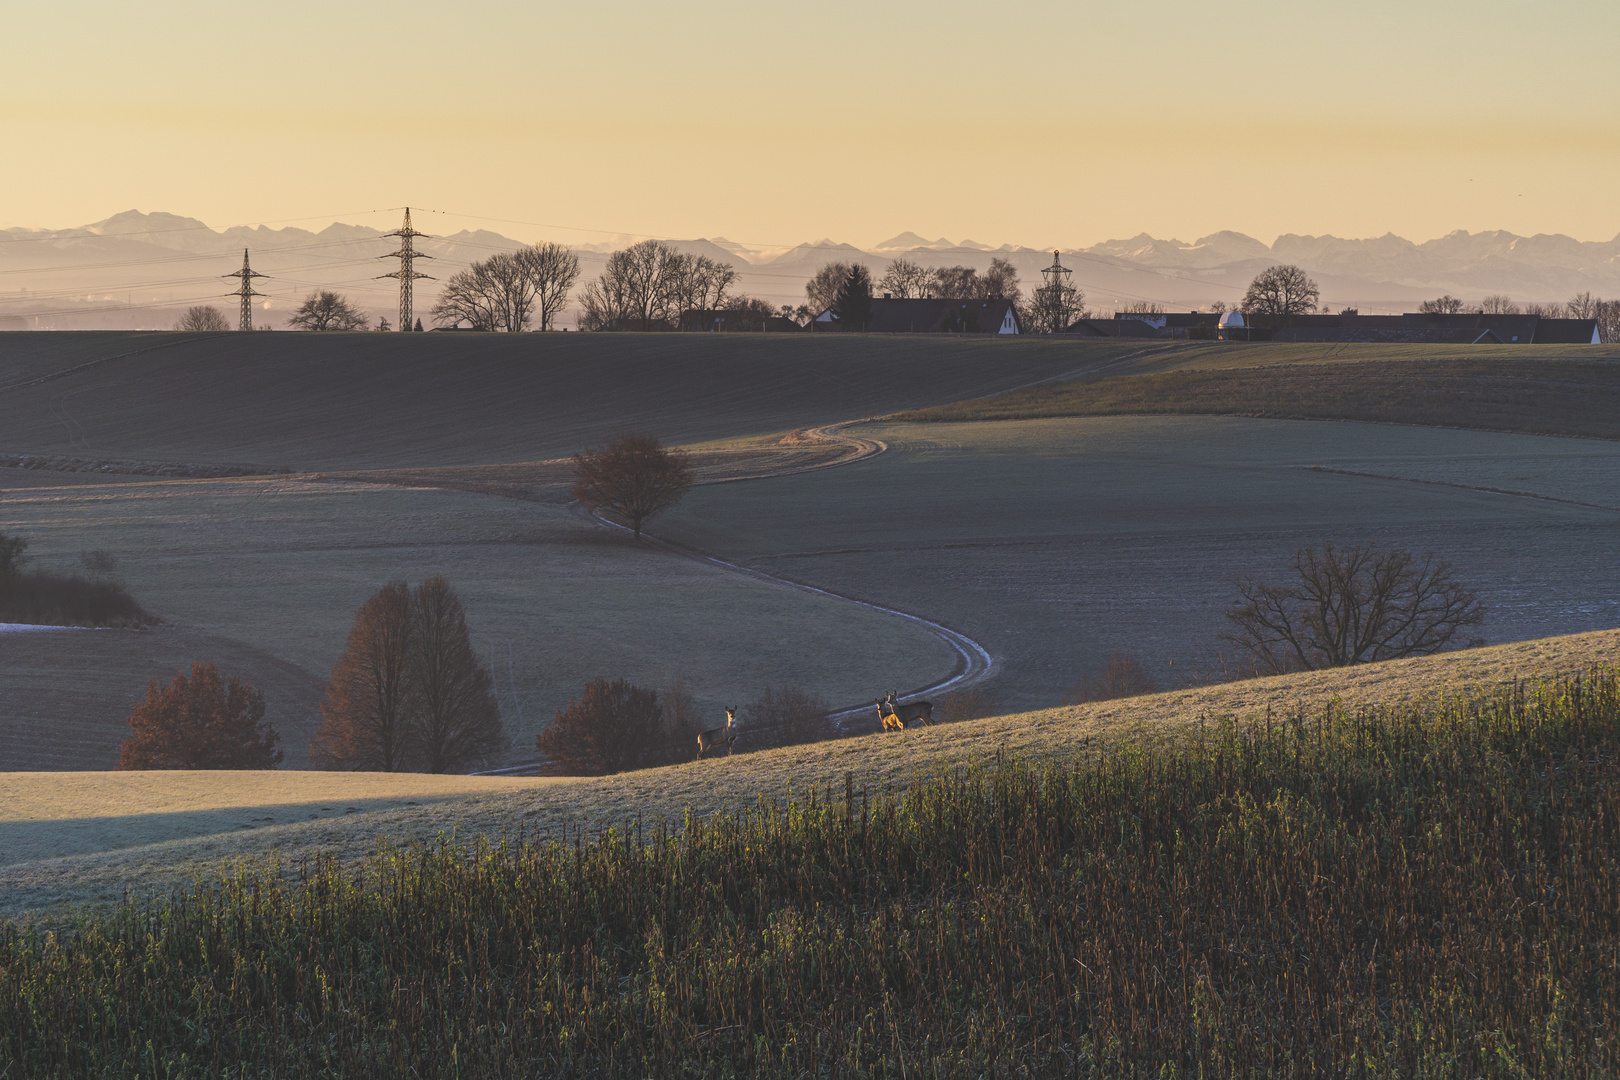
[712, 738]
[886, 715]
[906, 715]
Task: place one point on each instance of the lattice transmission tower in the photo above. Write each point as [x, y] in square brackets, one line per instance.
[245, 291]
[405, 273]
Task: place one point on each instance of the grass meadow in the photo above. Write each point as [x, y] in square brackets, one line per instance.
[1419, 890]
[1054, 542]
[1576, 394]
[90, 838]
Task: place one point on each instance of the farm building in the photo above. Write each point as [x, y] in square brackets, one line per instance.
[928, 316]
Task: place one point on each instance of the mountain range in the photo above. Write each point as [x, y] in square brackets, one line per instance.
[140, 269]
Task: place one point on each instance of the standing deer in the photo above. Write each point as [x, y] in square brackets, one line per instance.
[886, 715]
[708, 740]
[906, 715]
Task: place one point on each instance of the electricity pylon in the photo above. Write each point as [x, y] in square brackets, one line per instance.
[405, 273]
[247, 274]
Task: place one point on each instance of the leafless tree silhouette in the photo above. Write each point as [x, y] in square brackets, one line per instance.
[326, 310]
[1281, 290]
[202, 317]
[906, 279]
[551, 270]
[1352, 605]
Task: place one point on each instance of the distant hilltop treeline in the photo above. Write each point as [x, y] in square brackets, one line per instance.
[137, 270]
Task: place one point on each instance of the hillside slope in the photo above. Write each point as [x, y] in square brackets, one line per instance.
[305, 401]
[119, 833]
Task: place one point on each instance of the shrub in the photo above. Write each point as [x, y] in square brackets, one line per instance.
[969, 704]
[611, 727]
[200, 722]
[787, 715]
[1121, 677]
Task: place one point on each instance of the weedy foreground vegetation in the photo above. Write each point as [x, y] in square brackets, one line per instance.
[1422, 890]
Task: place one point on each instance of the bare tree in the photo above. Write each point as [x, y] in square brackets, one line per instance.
[1000, 282]
[634, 477]
[1443, 305]
[1121, 676]
[1497, 304]
[497, 293]
[200, 722]
[957, 283]
[822, 288]
[1607, 314]
[469, 296]
[13, 556]
[906, 279]
[611, 727]
[1583, 305]
[202, 317]
[1547, 311]
[1143, 307]
[550, 270]
[458, 722]
[1054, 308]
[1352, 605]
[327, 310]
[1281, 290]
[368, 716]
[747, 313]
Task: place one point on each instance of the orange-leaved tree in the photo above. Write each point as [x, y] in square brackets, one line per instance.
[611, 727]
[458, 721]
[408, 694]
[368, 714]
[200, 721]
[633, 476]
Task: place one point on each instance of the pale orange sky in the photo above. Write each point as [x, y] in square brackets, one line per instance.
[1039, 123]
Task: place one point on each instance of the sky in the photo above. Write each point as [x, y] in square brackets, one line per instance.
[1038, 122]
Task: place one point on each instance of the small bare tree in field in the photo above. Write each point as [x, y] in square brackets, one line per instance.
[369, 712]
[1352, 605]
[611, 727]
[1121, 676]
[458, 722]
[202, 317]
[633, 477]
[200, 722]
[327, 310]
[1281, 290]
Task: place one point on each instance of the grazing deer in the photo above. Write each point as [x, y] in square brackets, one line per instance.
[906, 715]
[886, 715]
[712, 738]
